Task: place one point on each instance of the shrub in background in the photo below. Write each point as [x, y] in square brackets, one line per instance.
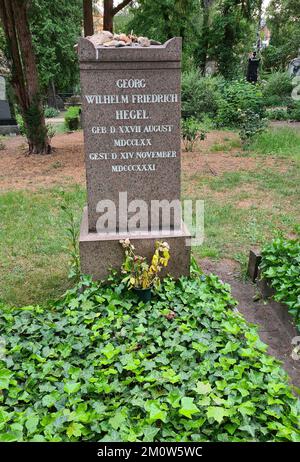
[72, 118]
[274, 57]
[277, 89]
[239, 96]
[251, 124]
[50, 112]
[192, 131]
[200, 95]
[277, 114]
[293, 110]
[21, 124]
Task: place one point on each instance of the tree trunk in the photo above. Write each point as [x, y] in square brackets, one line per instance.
[258, 45]
[88, 17]
[204, 36]
[110, 11]
[108, 23]
[24, 73]
[229, 40]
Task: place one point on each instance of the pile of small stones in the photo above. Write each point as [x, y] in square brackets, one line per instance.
[107, 39]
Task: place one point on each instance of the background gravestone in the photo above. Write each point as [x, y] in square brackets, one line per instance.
[294, 66]
[131, 116]
[2, 88]
[8, 125]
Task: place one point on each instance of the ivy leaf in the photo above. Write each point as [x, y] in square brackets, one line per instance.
[74, 303]
[49, 400]
[203, 388]
[155, 410]
[9, 437]
[231, 327]
[149, 433]
[174, 398]
[5, 375]
[74, 429]
[110, 351]
[72, 387]
[247, 408]
[117, 420]
[32, 423]
[87, 305]
[200, 347]
[217, 413]
[188, 408]
[80, 414]
[249, 429]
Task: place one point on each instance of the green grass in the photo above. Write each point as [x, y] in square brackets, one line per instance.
[60, 128]
[279, 142]
[227, 146]
[283, 183]
[33, 258]
[230, 231]
[246, 208]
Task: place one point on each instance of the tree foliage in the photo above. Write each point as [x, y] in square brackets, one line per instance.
[55, 27]
[166, 19]
[211, 29]
[232, 33]
[283, 17]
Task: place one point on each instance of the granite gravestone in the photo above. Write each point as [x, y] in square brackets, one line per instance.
[8, 125]
[131, 118]
[294, 66]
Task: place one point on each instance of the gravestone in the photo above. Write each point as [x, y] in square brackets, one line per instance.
[131, 117]
[8, 125]
[2, 88]
[294, 66]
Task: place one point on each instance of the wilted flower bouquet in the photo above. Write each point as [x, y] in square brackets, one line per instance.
[138, 273]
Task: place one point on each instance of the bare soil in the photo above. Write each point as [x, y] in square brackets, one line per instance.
[64, 166]
[66, 163]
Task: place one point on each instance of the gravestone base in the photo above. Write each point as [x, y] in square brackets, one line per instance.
[9, 130]
[99, 252]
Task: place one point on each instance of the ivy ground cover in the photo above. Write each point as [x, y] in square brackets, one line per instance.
[101, 366]
[280, 265]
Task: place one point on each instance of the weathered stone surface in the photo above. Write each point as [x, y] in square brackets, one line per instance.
[101, 252]
[131, 115]
[8, 125]
[253, 263]
[2, 88]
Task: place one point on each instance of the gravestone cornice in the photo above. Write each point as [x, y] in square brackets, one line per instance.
[169, 51]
